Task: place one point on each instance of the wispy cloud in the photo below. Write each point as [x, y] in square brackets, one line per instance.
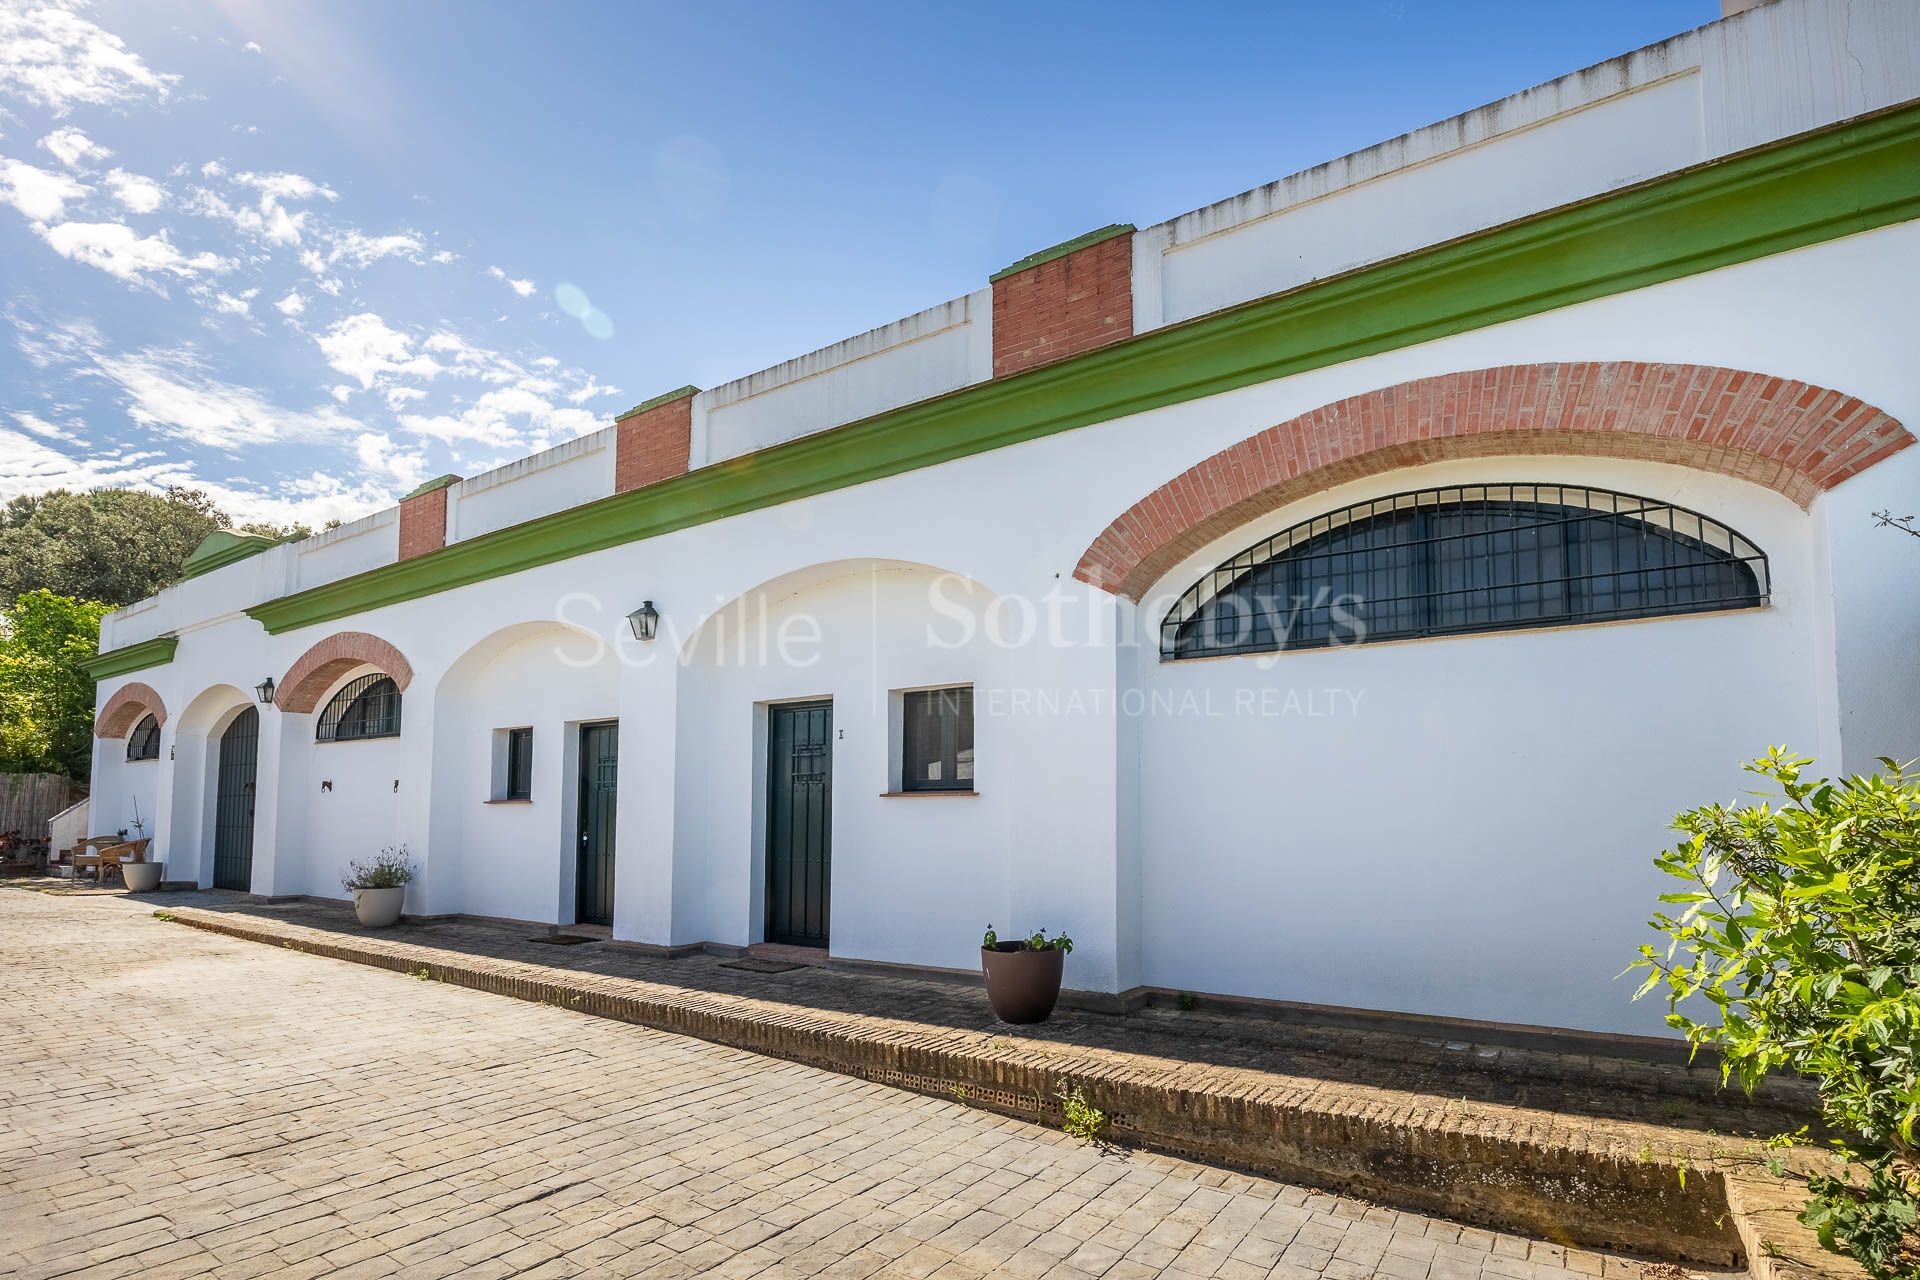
[52, 57]
[40, 194]
[73, 148]
[524, 288]
[125, 254]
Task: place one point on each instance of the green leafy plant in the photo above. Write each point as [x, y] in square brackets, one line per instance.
[1038, 942]
[1080, 1118]
[1799, 934]
[391, 870]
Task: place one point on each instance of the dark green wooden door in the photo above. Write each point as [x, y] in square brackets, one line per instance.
[599, 788]
[799, 822]
[233, 803]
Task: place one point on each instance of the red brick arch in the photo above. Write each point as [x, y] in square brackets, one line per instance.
[320, 667]
[124, 709]
[1791, 436]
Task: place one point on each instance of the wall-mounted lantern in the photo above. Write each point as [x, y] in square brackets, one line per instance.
[645, 621]
[265, 690]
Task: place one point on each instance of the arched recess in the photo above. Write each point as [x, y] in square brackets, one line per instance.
[320, 668]
[187, 829]
[1791, 436]
[124, 709]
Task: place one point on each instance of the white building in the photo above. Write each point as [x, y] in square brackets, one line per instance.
[1539, 448]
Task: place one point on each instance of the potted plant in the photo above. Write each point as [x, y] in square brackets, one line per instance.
[1023, 976]
[141, 877]
[379, 887]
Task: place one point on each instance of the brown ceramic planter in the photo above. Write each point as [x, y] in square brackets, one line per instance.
[1023, 985]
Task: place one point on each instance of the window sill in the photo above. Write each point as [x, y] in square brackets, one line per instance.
[927, 795]
[506, 802]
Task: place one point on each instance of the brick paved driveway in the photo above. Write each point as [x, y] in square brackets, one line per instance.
[174, 1103]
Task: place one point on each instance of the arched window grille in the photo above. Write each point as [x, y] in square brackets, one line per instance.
[368, 707]
[1496, 557]
[144, 743]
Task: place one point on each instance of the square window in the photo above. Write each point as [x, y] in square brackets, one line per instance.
[937, 739]
[519, 764]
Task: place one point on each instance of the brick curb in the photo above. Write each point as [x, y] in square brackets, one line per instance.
[1583, 1182]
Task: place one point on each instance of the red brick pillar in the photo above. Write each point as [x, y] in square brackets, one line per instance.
[423, 518]
[1065, 300]
[653, 440]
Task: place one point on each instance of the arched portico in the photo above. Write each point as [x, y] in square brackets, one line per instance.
[1790, 436]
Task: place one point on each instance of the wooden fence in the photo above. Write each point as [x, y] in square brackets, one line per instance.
[27, 800]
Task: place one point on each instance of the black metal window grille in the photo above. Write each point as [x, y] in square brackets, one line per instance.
[1467, 558]
[368, 707]
[145, 742]
[519, 764]
[937, 743]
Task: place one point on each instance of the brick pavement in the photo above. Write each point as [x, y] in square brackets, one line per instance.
[176, 1103]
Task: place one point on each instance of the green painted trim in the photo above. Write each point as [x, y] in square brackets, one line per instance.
[1846, 179]
[438, 482]
[134, 657]
[1062, 249]
[223, 547]
[678, 393]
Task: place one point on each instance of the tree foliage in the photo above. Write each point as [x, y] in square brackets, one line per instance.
[114, 545]
[46, 695]
[1800, 929]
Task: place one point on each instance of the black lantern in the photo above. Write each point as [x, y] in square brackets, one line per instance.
[645, 621]
[265, 690]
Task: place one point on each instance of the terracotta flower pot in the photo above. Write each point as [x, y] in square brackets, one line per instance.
[378, 908]
[141, 877]
[1023, 985]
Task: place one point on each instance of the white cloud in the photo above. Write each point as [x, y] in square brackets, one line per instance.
[171, 391]
[343, 393]
[40, 194]
[364, 348]
[503, 417]
[292, 305]
[524, 288]
[41, 427]
[251, 46]
[213, 169]
[398, 397]
[122, 252]
[357, 249]
[54, 58]
[139, 194]
[445, 255]
[71, 147]
[380, 456]
[589, 389]
[231, 304]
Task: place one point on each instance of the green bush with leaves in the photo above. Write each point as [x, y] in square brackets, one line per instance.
[46, 695]
[1800, 931]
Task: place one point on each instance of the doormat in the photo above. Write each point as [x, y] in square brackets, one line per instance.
[562, 940]
[753, 964]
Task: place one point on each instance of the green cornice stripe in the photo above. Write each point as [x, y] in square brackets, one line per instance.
[1062, 249]
[134, 657]
[223, 547]
[665, 397]
[1837, 182]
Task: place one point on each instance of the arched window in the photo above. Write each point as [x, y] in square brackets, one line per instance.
[144, 743]
[1496, 557]
[368, 707]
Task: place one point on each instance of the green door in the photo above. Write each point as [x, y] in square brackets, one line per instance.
[233, 803]
[599, 785]
[799, 822]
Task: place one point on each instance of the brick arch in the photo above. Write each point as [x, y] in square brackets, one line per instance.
[124, 709]
[1790, 436]
[320, 667]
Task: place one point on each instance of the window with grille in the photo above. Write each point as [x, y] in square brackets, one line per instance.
[937, 739]
[519, 764]
[1469, 558]
[145, 742]
[368, 707]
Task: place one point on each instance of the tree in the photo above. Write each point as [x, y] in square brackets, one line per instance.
[116, 545]
[46, 695]
[1801, 932]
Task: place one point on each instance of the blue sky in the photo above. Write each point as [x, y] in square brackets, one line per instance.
[305, 255]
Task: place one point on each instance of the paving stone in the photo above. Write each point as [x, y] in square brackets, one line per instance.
[174, 1103]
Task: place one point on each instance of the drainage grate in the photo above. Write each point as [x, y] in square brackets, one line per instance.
[754, 965]
[562, 940]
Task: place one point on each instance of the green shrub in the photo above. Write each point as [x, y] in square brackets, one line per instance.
[1800, 932]
[391, 870]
